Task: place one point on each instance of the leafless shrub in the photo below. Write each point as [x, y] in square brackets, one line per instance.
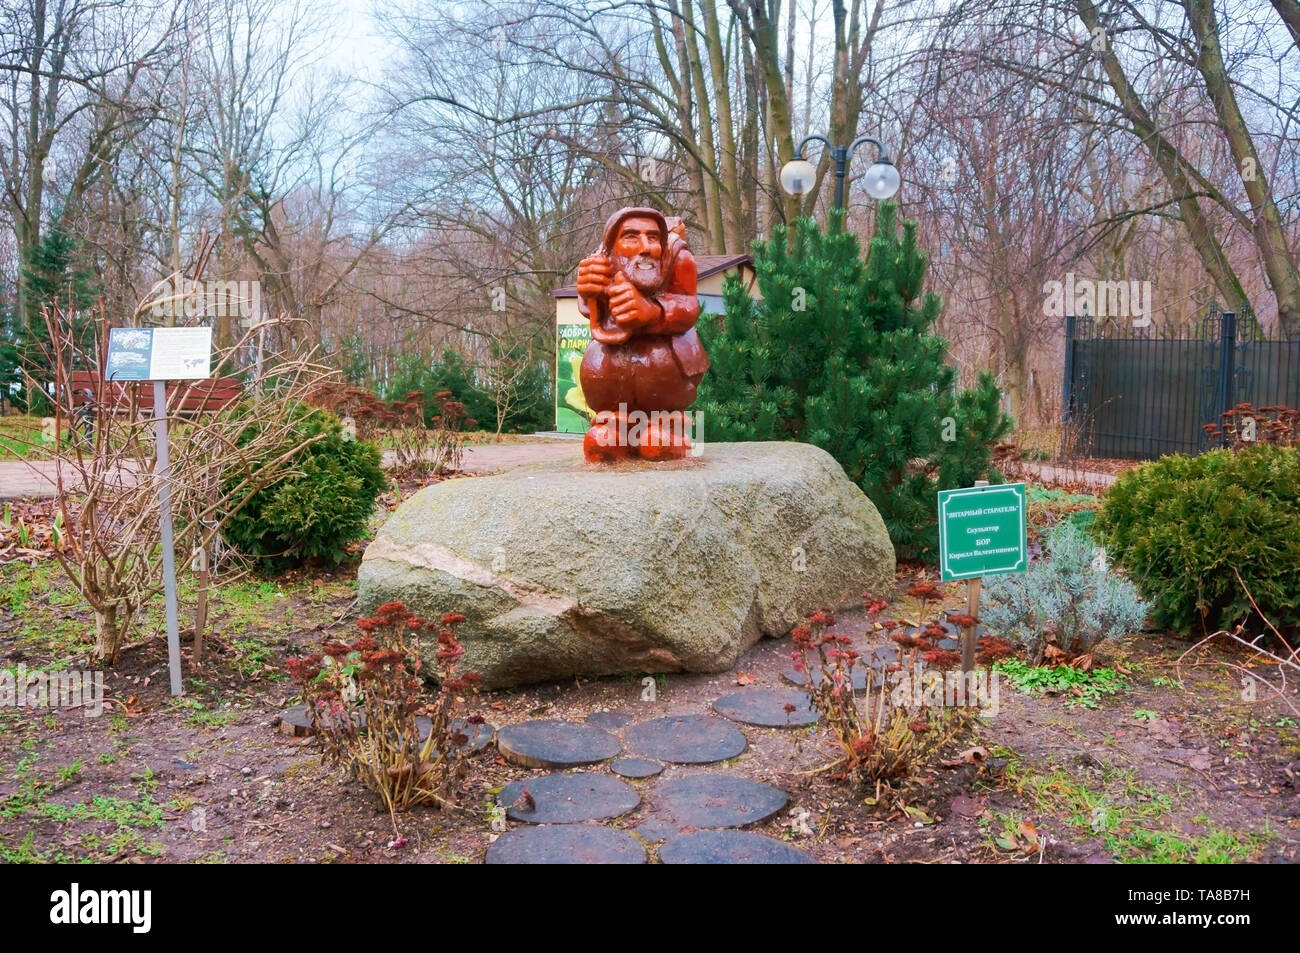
[109, 484]
[1285, 660]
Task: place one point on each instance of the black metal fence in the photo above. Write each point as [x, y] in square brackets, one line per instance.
[1142, 393]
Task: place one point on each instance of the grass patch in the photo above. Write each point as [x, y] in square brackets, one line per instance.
[256, 660]
[202, 716]
[21, 439]
[57, 626]
[121, 826]
[1045, 507]
[1133, 820]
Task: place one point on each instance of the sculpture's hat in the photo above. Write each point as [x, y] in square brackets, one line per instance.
[618, 218]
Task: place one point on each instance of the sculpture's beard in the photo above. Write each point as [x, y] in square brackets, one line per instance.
[644, 271]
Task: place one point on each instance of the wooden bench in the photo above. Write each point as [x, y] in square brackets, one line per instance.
[195, 397]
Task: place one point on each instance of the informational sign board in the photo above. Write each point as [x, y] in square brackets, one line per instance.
[572, 415]
[159, 354]
[982, 531]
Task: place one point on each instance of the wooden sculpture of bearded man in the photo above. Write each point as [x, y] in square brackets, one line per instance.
[645, 361]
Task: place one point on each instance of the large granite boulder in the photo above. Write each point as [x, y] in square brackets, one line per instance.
[568, 569]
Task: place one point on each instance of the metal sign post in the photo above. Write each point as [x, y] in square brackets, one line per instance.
[163, 470]
[160, 355]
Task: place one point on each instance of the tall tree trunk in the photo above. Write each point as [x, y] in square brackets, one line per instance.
[1270, 235]
[1289, 11]
[1167, 158]
[679, 80]
[761, 24]
[729, 188]
[708, 150]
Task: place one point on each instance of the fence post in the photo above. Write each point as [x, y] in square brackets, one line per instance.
[1224, 396]
[1067, 387]
[1067, 395]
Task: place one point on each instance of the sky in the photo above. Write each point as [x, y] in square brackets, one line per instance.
[357, 48]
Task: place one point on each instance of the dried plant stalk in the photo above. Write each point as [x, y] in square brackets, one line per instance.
[108, 485]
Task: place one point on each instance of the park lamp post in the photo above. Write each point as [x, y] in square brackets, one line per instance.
[798, 175]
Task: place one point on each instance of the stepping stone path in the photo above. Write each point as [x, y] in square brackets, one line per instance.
[558, 810]
[635, 768]
[878, 659]
[686, 739]
[767, 708]
[568, 798]
[608, 720]
[652, 829]
[295, 721]
[480, 735]
[730, 847]
[794, 677]
[550, 743]
[716, 800]
[953, 642]
[566, 844]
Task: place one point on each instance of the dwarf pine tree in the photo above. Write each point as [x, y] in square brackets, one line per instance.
[841, 353]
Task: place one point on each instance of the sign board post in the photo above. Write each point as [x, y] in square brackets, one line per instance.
[160, 355]
[982, 532]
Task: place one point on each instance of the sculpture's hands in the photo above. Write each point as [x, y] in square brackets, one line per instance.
[594, 275]
[630, 309]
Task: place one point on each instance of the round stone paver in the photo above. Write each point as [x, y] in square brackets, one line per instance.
[686, 739]
[568, 798]
[794, 677]
[766, 707]
[295, 722]
[480, 735]
[716, 800]
[608, 720]
[635, 768]
[952, 632]
[550, 743]
[566, 844]
[652, 829]
[730, 847]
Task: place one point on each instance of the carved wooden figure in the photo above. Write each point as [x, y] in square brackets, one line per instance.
[645, 361]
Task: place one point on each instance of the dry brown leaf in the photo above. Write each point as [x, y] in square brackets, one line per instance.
[969, 756]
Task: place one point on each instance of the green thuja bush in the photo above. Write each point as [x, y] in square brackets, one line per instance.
[1069, 599]
[312, 505]
[841, 353]
[1184, 527]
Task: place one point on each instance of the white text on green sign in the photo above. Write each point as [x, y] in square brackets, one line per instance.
[982, 531]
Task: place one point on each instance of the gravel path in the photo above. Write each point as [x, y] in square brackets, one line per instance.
[37, 479]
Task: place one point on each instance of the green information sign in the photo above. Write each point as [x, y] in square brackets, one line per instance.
[982, 531]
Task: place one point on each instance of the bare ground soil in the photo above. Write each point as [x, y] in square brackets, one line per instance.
[1176, 767]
